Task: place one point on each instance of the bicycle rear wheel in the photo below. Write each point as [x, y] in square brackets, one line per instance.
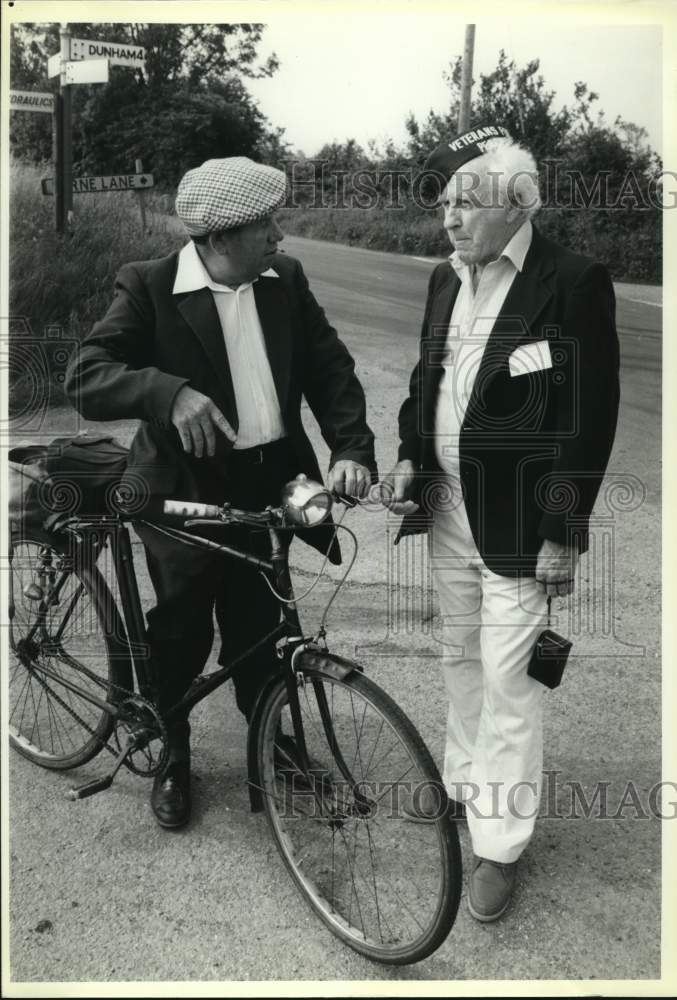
[62, 621]
[387, 887]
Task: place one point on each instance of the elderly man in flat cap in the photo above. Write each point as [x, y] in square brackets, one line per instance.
[213, 348]
[505, 437]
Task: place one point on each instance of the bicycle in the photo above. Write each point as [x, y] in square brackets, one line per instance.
[79, 684]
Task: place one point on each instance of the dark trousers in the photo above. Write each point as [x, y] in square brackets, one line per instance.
[191, 584]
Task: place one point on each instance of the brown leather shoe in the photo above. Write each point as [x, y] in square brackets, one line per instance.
[170, 798]
[490, 888]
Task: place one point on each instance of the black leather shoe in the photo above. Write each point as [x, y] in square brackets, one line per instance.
[170, 798]
[288, 761]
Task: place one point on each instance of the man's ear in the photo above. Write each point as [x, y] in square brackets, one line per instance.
[219, 244]
[513, 211]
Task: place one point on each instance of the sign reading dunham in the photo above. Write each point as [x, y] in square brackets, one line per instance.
[116, 53]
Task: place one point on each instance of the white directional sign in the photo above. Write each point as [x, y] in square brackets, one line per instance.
[101, 185]
[30, 100]
[117, 54]
[89, 71]
[54, 65]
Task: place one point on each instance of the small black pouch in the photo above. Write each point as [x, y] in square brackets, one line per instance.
[549, 657]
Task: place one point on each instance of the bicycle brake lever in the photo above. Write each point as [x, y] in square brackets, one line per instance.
[345, 499]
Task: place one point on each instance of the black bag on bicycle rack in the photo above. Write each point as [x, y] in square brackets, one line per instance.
[69, 476]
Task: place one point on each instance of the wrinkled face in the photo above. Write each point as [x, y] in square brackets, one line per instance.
[250, 249]
[477, 221]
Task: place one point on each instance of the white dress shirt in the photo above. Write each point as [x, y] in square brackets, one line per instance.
[258, 407]
[472, 320]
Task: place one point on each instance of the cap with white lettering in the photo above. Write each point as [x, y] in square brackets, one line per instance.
[446, 158]
[223, 194]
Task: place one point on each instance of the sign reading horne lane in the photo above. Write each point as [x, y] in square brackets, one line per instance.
[101, 185]
[117, 53]
[31, 100]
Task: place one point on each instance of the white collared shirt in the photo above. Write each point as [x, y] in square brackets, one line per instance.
[472, 320]
[258, 406]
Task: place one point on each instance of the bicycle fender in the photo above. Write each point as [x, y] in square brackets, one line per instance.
[325, 663]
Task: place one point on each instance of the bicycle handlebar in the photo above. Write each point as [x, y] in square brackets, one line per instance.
[190, 508]
[198, 511]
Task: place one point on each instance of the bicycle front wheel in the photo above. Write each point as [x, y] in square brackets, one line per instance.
[64, 632]
[387, 887]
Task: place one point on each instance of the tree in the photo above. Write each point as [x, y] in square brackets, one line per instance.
[516, 98]
[602, 203]
[189, 104]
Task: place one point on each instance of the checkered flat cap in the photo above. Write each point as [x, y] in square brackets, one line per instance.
[222, 194]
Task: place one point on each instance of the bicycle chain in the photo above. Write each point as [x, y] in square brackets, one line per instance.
[129, 695]
[158, 721]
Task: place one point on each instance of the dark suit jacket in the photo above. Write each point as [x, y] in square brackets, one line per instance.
[533, 447]
[150, 343]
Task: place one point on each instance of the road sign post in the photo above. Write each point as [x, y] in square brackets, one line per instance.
[58, 163]
[66, 133]
[81, 60]
[141, 197]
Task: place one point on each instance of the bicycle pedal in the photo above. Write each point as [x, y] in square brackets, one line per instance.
[101, 784]
[90, 788]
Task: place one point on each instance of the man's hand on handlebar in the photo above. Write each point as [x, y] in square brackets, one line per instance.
[349, 478]
[198, 419]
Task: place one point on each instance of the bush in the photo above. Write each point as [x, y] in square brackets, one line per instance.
[628, 243]
[396, 231]
[66, 282]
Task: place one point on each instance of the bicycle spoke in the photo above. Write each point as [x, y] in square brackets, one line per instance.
[353, 891]
[69, 612]
[373, 888]
[357, 738]
[57, 632]
[373, 879]
[21, 696]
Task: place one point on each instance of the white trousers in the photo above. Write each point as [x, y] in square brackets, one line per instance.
[494, 743]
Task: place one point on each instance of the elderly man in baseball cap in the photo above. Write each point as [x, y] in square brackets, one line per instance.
[213, 349]
[505, 436]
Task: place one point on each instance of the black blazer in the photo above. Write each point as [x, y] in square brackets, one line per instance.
[533, 447]
[151, 342]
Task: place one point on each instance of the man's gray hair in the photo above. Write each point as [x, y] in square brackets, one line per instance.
[513, 170]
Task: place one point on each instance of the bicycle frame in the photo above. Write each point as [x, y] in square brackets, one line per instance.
[113, 530]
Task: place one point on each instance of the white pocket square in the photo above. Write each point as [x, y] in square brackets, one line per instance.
[534, 357]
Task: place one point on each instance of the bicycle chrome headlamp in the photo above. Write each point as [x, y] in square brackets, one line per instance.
[306, 502]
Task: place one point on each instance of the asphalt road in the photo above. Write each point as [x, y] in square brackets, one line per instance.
[99, 893]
